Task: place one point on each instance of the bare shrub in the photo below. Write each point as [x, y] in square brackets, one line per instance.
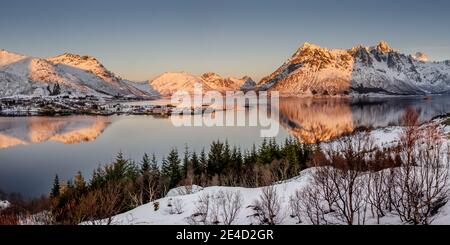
[178, 206]
[200, 215]
[325, 188]
[338, 181]
[26, 212]
[175, 206]
[312, 206]
[231, 204]
[352, 177]
[267, 209]
[9, 218]
[421, 184]
[350, 202]
[296, 207]
[95, 208]
[410, 136]
[149, 189]
[222, 208]
[378, 193]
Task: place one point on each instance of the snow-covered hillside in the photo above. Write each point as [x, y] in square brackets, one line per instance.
[183, 203]
[177, 210]
[315, 70]
[165, 215]
[143, 86]
[67, 74]
[171, 82]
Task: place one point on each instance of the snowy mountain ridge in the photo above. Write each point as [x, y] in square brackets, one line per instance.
[76, 75]
[67, 74]
[171, 82]
[380, 69]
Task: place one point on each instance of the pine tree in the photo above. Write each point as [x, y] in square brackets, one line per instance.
[171, 168]
[274, 149]
[264, 152]
[185, 162]
[154, 165]
[195, 163]
[121, 169]
[55, 192]
[98, 178]
[80, 183]
[226, 159]
[145, 171]
[236, 160]
[254, 154]
[203, 161]
[215, 158]
[145, 164]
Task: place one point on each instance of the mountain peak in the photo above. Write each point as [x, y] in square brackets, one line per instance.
[420, 56]
[7, 57]
[73, 56]
[308, 45]
[384, 47]
[211, 76]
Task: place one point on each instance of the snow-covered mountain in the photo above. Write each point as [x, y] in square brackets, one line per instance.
[219, 83]
[248, 84]
[67, 74]
[171, 82]
[379, 69]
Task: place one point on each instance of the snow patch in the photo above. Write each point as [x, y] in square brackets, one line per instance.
[4, 204]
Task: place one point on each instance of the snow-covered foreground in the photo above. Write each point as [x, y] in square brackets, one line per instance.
[146, 214]
[177, 207]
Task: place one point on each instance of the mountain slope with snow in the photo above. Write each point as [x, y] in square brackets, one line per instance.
[187, 205]
[223, 84]
[183, 203]
[380, 69]
[67, 74]
[170, 82]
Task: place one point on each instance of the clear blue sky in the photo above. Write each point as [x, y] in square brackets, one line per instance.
[140, 39]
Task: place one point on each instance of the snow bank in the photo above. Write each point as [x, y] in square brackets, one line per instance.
[4, 204]
[147, 215]
[184, 190]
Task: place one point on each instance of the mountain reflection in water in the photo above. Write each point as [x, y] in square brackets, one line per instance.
[67, 130]
[311, 120]
[307, 119]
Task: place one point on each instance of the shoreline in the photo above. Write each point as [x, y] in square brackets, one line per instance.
[63, 106]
